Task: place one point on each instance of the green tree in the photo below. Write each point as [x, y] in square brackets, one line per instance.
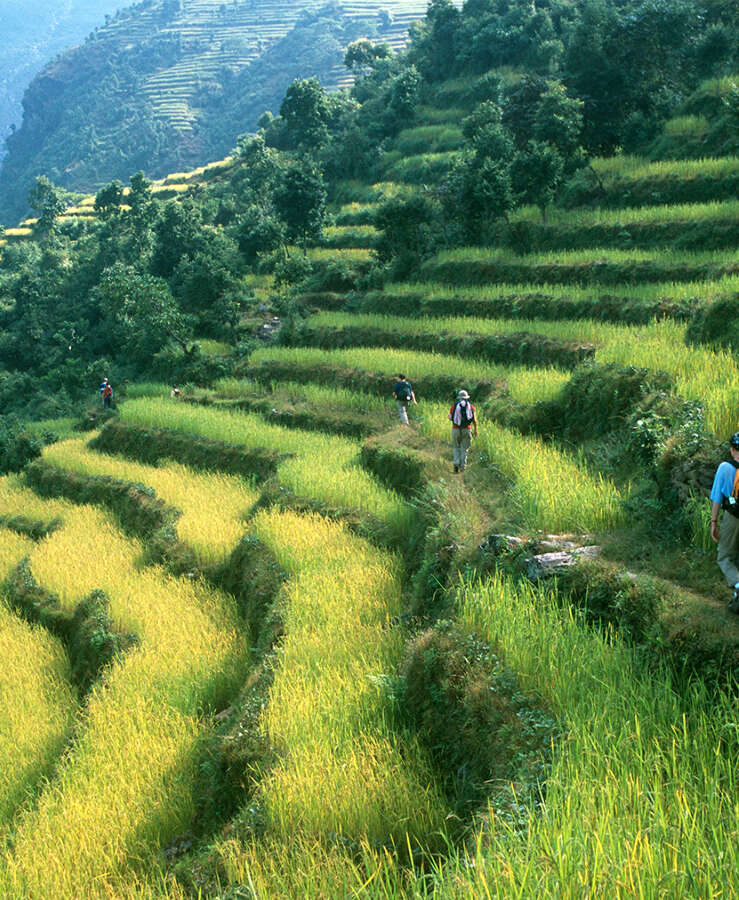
[139, 314]
[301, 203]
[48, 201]
[537, 173]
[109, 198]
[306, 112]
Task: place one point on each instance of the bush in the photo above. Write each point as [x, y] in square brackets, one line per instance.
[470, 712]
[17, 445]
[716, 324]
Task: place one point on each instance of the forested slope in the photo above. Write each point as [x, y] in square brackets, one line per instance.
[149, 89]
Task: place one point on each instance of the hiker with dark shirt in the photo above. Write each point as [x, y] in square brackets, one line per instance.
[403, 393]
[464, 425]
[725, 496]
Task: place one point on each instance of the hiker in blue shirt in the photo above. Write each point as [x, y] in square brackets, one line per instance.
[403, 393]
[725, 495]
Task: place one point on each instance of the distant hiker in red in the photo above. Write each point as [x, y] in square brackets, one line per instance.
[106, 392]
[464, 425]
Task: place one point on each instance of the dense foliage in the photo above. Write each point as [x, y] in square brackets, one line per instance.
[126, 293]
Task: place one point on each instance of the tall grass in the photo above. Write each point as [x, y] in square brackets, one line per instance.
[548, 490]
[126, 784]
[213, 505]
[640, 215]
[390, 361]
[597, 254]
[641, 799]
[700, 374]
[343, 776]
[639, 167]
[324, 468]
[17, 500]
[673, 290]
[37, 702]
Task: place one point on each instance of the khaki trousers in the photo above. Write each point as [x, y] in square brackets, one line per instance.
[461, 440]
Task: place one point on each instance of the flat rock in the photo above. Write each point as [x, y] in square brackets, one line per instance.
[545, 564]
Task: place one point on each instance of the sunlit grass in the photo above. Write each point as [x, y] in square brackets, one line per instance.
[641, 799]
[126, 784]
[17, 500]
[342, 770]
[641, 215]
[674, 290]
[213, 505]
[37, 703]
[324, 468]
[638, 167]
[700, 374]
[548, 489]
[415, 365]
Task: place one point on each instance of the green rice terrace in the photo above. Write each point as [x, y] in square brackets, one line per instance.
[261, 640]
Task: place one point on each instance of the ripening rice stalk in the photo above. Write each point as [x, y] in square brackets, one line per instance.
[639, 215]
[549, 490]
[342, 770]
[37, 702]
[637, 167]
[213, 505]
[126, 784]
[17, 500]
[415, 365]
[641, 798]
[700, 374]
[325, 468]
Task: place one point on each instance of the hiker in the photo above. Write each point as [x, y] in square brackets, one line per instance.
[464, 425]
[403, 393]
[725, 495]
[175, 393]
[106, 392]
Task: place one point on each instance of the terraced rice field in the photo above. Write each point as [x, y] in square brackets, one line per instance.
[334, 791]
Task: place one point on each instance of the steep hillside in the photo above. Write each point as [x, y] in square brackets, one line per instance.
[30, 41]
[167, 84]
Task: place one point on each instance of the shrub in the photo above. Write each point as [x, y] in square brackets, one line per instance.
[716, 324]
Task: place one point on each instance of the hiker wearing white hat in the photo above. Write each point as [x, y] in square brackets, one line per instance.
[464, 426]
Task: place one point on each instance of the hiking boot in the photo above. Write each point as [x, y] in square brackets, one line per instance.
[734, 603]
[456, 469]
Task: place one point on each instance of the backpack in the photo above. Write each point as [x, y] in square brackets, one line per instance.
[463, 415]
[731, 503]
[107, 391]
[403, 391]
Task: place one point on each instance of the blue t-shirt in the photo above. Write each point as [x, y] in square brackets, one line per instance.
[723, 483]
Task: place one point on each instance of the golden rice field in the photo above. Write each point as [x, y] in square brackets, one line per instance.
[343, 771]
[548, 489]
[321, 467]
[126, 782]
[37, 701]
[641, 799]
[525, 384]
[213, 505]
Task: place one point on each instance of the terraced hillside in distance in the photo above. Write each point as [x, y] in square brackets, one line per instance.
[264, 639]
[165, 85]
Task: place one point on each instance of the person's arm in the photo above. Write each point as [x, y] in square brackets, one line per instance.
[715, 529]
[413, 397]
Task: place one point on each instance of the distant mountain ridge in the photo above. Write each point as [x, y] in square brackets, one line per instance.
[148, 89]
[33, 33]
